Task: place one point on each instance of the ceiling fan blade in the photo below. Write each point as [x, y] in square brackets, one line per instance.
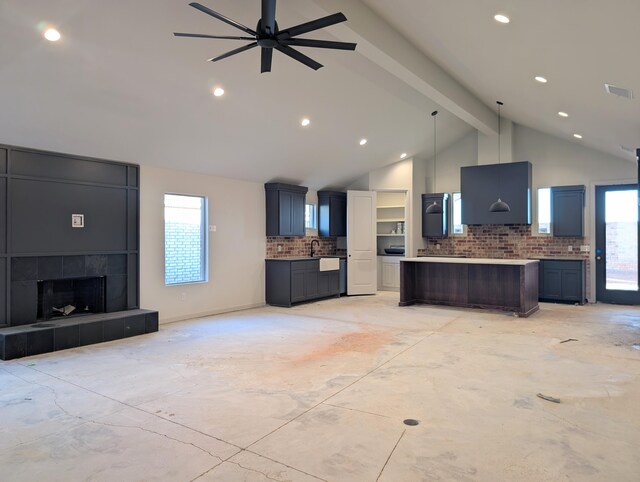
[269, 16]
[200, 35]
[322, 44]
[234, 51]
[221, 17]
[294, 54]
[266, 58]
[311, 26]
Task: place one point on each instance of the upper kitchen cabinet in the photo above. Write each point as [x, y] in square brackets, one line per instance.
[332, 213]
[567, 206]
[285, 209]
[435, 225]
[481, 186]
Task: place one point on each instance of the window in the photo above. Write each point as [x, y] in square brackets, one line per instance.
[310, 221]
[544, 210]
[185, 239]
[457, 227]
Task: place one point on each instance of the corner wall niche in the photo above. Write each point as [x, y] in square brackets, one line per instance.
[69, 245]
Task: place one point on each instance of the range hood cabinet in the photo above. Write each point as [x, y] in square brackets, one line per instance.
[481, 185]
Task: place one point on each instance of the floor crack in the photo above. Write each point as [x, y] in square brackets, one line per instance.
[89, 420]
[389, 457]
[356, 410]
[343, 388]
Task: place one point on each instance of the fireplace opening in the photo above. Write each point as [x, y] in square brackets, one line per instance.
[61, 298]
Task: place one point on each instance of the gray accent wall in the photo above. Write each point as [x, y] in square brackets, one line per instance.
[39, 193]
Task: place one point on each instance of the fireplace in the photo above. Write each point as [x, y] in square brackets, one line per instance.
[71, 297]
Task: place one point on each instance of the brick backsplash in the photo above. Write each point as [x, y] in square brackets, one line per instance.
[299, 246]
[513, 241]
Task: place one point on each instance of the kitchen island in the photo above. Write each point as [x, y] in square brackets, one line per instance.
[503, 284]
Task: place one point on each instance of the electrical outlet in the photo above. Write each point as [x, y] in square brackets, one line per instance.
[585, 248]
[212, 228]
[437, 246]
[569, 248]
[279, 248]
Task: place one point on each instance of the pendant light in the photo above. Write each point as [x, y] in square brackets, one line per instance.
[499, 206]
[434, 208]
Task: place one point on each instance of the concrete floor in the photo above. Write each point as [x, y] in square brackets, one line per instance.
[320, 392]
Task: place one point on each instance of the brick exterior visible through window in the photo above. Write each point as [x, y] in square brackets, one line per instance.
[185, 241]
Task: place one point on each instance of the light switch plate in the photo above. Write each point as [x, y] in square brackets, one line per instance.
[585, 248]
[569, 248]
[77, 220]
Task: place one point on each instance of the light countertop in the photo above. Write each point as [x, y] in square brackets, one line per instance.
[512, 262]
[307, 258]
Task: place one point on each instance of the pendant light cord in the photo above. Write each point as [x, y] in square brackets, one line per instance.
[499, 149]
[499, 130]
[434, 114]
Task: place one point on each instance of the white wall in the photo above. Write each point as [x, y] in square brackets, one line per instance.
[422, 184]
[560, 162]
[556, 161]
[488, 152]
[462, 153]
[236, 249]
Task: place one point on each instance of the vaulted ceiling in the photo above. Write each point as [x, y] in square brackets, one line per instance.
[118, 85]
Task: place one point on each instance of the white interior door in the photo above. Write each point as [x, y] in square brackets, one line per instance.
[362, 276]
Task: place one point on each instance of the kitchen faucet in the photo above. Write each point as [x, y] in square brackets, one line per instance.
[314, 241]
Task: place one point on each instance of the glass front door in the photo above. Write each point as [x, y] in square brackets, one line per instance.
[617, 244]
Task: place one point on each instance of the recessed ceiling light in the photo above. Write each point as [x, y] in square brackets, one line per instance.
[403, 155]
[218, 91]
[52, 35]
[363, 142]
[541, 79]
[563, 114]
[501, 18]
[305, 122]
[577, 136]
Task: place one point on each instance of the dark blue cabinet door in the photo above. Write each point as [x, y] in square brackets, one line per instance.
[297, 214]
[284, 212]
[572, 285]
[311, 284]
[323, 283]
[567, 211]
[552, 284]
[297, 286]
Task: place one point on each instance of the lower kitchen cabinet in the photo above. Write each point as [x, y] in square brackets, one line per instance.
[389, 273]
[562, 280]
[294, 281]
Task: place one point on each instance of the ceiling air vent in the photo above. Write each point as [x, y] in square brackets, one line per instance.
[619, 91]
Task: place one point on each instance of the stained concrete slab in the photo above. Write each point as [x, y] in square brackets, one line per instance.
[319, 392]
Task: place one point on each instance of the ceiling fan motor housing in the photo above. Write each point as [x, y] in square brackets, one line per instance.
[269, 37]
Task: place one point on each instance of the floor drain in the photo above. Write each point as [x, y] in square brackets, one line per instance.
[411, 421]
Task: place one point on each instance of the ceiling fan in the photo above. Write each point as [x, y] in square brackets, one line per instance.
[267, 36]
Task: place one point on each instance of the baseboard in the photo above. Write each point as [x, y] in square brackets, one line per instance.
[193, 316]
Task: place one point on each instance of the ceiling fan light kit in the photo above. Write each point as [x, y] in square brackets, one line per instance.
[268, 36]
[499, 206]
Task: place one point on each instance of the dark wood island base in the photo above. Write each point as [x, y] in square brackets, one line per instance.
[501, 284]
